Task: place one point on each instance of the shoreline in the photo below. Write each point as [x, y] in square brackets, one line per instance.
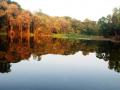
[74, 37]
[79, 37]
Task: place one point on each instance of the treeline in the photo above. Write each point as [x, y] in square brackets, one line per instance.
[42, 23]
[110, 25]
[62, 25]
[11, 14]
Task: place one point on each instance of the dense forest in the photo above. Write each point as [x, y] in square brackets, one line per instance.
[15, 20]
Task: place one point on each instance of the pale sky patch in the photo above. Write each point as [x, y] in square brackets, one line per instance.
[79, 9]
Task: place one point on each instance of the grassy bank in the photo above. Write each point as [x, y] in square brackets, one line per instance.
[77, 36]
[73, 36]
[3, 34]
[84, 37]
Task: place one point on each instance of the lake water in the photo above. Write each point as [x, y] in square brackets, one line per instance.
[57, 64]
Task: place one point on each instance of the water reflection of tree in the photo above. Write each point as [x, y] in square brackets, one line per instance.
[107, 51]
[4, 66]
[13, 51]
[110, 52]
[16, 49]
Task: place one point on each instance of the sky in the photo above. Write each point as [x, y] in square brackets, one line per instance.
[79, 9]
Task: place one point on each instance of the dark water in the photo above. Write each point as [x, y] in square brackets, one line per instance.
[56, 64]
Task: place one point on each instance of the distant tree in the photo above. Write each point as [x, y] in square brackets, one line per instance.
[103, 26]
[89, 27]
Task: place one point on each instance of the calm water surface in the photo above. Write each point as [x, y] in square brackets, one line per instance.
[58, 64]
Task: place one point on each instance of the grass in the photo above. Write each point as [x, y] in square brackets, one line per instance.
[80, 37]
[3, 34]
[73, 36]
[59, 36]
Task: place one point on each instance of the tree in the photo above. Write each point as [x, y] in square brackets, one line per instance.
[103, 26]
[116, 22]
[89, 27]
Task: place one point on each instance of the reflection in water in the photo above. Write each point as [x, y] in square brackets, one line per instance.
[13, 50]
[4, 67]
[110, 52]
